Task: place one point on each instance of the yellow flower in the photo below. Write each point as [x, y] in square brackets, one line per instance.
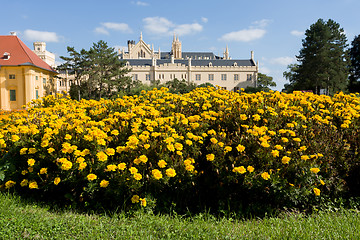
[135, 199]
[91, 177]
[33, 185]
[265, 144]
[171, 147]
[278, 147]
[284, 140]
[317, 191]
[137, 176]
[110, 151]
[121, 166]
[297, 139]
[322, 182]
[256, 117]
[57, 180]
[170, 172]
[240, 169]
[31, 162]
[66, 165]
[156, 174]
[214, 140]
[162, 164]
[24, 183]
[250, 169]
[304, 157]
[285, 160]
[243, 117]
[315, 170]
[240, 148]
[133, 170]
[82, 165]
[178, 146]
[227, 149]
[102, 157]
[115, 132]
[275, 153]
[143, 158]
[188, 142]
[9, 184]
[210, 157]
[23, 151]
[104, 183]
[68, 137]
[43, 171]
[111, 167]
[15, 138]
[147, 146]
[265, 175]
[143, 202]
[50, 150]
[302, 148]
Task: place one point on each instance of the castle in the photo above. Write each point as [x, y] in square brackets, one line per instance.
[197, 67]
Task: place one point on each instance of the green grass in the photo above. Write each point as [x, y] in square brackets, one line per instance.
[24, 220]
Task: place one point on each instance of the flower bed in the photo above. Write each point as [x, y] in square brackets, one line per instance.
[208, 148]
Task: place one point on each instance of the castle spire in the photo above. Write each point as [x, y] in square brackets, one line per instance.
[141, 36]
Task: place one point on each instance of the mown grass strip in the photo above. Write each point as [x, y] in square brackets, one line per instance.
[22, 220]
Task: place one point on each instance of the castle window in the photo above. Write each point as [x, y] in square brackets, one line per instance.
[197, 77]
[211, 77]
[249, 77]
[147, 77]
[36, 94]
[44, 81]
[12, 95]
[134, 77]
[36, 77]
[223, 77]
[236, 77]
[11, 76]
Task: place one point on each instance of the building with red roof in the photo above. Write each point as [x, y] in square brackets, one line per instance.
[23, 75]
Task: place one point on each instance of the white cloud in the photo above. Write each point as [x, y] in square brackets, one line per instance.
[163, 26]
[297, 33]
[204, 19]
[185, 29]
[33, 35]
[105, 27]
[245, 35]
[101, 30]
[264, 70]
[283, 60]
[255, 31]
[140, 3]
[262, 23]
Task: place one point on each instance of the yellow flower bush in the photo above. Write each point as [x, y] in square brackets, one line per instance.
[167, 146]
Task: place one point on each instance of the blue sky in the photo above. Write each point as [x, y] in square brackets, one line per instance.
[272, 29]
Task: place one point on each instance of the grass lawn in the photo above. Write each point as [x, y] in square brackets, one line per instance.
[24, 220]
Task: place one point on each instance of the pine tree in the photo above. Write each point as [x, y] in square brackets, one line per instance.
[323, 59]
[354, 84]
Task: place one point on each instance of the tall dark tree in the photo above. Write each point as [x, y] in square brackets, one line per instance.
[323, 59]
[98, 72]
[74, 64]
[105, 70]
[354, 84]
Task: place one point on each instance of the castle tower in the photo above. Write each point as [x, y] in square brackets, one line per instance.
[226, 53]
[176, 48]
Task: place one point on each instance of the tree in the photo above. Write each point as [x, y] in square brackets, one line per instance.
[98, 72]
[264, 82]
[179, 86]
[74, 65]
[354, 84]
[323, 59]
[291, 76]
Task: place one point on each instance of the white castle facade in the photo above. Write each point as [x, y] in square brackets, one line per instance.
[197, 67]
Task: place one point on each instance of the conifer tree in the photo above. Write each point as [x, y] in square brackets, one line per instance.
[354, 84]
[323, 59]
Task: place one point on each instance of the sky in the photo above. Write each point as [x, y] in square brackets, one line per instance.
[274, 29]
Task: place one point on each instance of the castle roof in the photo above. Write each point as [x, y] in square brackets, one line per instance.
[196, 62]
[13, 52]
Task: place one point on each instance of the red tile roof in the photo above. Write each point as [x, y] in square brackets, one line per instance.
[19, 54]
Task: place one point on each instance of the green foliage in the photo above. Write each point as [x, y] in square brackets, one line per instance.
[323, 60]
[264, 82]
[354, 84]
[99, 73]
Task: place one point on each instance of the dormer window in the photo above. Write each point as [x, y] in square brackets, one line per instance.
[210, 64]
[235, 64]
[6, 56]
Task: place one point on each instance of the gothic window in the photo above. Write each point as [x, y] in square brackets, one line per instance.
[236, 77]
[249, 77]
